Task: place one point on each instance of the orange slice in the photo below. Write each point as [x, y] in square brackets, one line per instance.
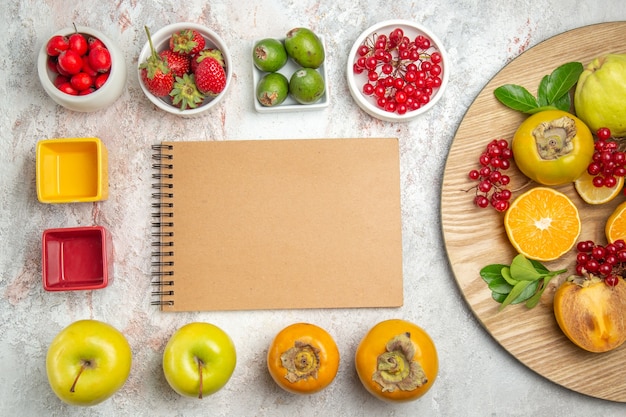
[596, 195]
[542, 224]
[616, 224]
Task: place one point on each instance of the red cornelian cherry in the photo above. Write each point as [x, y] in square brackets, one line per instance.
[56, 45]
[81, 64]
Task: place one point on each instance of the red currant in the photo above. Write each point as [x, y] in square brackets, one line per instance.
[611, 280]
[491, 181]
[401, 62]
[603, 133]
[368, 89]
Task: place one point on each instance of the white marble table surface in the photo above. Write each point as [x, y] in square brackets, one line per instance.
[477, 377]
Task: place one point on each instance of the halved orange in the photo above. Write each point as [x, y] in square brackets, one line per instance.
[596, 195]
[616, 224]
[542, 224]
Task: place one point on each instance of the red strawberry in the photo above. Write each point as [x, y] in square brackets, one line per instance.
[210, 77]
[155, 74]
[187, 41]
[185, 94]
[214, 53]
[179, 64]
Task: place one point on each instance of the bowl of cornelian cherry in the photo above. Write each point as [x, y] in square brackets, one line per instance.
[81, 69]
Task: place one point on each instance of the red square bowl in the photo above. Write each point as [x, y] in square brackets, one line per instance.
[76, 258]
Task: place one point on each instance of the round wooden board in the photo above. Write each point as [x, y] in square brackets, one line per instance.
[475, 237]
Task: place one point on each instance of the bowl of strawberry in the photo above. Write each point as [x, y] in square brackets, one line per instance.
[81, 69]
[397, 70]
[184, 69]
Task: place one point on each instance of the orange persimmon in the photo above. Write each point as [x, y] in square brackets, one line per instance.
[397, 361]
[303, 358]
[591, 313]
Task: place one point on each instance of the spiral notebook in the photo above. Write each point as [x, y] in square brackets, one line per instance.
[277, 224]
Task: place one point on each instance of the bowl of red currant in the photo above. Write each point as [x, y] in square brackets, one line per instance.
[81, 69]
[397, 70]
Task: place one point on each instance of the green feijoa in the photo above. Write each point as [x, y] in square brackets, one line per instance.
[272, 89]
[269, 55]
[305, 47]
[306, 85]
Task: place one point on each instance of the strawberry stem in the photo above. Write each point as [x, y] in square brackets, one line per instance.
[154, 53]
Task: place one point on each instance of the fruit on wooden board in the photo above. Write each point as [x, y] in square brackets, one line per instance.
[552, 147]
[591, 313]
[542, 224]
[600, 92]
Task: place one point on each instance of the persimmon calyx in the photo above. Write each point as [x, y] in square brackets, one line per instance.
[586, 280]
[396, 368]
[555, 138]
[301, 361]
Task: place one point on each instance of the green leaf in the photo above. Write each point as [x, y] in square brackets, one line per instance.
[540, 109]
[516, 97]
[524, 280]
[525, 295]
[499, 297]
[500, 286]
[539, 267]
[491, 272]
[530, 290]
[516, 291]
[542, 91]
[561, 80]
[564, 103]
[506, 274]
[534, 300]
[523, 269]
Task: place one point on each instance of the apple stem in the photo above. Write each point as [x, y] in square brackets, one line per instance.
[80, 371]
[200, 363]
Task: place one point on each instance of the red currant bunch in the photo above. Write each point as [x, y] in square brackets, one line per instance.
[608, 161]
[402, 73]
[491, 189]
[606, 262]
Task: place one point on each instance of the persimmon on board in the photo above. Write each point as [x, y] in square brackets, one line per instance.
[591, 313]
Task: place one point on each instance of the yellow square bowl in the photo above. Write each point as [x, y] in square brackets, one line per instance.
[72, 170]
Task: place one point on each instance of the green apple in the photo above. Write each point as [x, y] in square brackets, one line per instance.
[87, 362]
[199, 359]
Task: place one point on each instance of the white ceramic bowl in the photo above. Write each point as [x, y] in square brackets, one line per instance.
[160, 40]
[101, 98]
[356, 81]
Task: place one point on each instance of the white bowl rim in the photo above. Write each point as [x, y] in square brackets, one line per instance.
[42, 66]
[381, 113]
[216, 39]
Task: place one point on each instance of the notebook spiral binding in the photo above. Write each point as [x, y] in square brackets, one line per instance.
[162, 264]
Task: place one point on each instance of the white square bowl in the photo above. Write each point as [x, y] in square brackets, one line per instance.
[290, 104]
